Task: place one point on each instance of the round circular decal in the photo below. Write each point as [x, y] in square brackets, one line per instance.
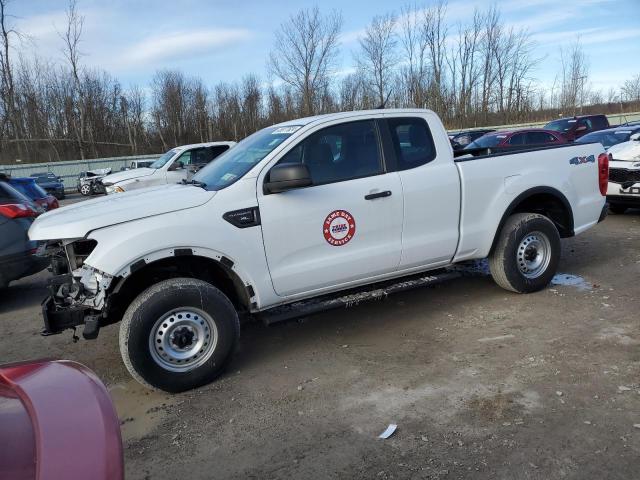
[339, 228]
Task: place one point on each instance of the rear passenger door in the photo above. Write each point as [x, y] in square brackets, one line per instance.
[431, 192]
[344, 228]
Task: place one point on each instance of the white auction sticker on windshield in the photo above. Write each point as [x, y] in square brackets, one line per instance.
[228, 176]
[285, 130]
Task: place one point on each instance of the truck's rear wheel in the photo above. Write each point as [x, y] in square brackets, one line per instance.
[526, 256]
[178, 334]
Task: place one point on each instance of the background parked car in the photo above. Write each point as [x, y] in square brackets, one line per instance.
[530, 137]
[29, 188]
[575, 127]
[611, 136]
[176, 165]
[464, 138]
[89, 182]
[50, 183]
[57, 421]
[17, 253]
[140, 163]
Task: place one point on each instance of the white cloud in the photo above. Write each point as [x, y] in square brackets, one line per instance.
[182, 44]
[587, 36]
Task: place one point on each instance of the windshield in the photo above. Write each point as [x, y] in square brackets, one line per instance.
[486, 141]
[607, 139]
[561, 125]
[161, 162]
[237, 161]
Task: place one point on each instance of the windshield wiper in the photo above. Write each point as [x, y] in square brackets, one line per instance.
[194, 182]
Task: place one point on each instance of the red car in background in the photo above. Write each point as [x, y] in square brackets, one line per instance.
[57, 422]
[520, 139]
[573, 128]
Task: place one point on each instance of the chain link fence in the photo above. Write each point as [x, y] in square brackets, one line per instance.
[69, 171]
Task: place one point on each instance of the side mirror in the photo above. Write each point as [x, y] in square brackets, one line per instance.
[581, 128]
[176, 166]
[286, 177]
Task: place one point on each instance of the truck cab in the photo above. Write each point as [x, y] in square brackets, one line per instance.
[172, 167]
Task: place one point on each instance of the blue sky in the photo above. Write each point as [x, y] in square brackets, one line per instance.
[223, 40]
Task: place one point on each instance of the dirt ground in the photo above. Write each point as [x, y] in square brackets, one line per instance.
[482, 383]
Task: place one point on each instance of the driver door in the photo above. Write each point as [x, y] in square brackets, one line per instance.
[347, 226]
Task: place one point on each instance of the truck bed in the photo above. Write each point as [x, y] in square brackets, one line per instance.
[492, 180]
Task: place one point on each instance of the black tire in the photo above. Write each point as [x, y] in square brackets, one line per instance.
[509, 260]
[141, 325]
[617, 209]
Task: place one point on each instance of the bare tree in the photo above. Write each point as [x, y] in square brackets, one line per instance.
[631, 89]
[415, 74]
[71, 38]
[575, 72]
[304, 53]
[378, 55]
[10, 124]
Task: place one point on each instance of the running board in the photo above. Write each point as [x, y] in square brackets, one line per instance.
[353, 297]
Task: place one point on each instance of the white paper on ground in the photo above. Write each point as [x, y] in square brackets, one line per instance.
[389, 431]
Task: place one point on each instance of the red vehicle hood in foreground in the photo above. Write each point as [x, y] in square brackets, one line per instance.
[57, 422]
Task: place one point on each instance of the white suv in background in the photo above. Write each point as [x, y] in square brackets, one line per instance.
[624, 175]
[172, 167]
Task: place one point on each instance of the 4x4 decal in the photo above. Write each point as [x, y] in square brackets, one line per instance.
[581, 160]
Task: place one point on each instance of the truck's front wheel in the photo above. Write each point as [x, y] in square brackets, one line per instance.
[178, 334]
[526, 256]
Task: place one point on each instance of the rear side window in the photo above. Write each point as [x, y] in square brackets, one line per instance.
[8, 194]
[517, 139]
[536, 138]
[412, 142]
[600, 122]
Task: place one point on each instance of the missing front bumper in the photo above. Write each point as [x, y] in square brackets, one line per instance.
[58, 319]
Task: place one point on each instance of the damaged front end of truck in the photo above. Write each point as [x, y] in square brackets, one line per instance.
[77, 290]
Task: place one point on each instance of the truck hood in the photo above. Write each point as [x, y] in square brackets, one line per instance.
[128, 175]
[629, 151]
[75, 221]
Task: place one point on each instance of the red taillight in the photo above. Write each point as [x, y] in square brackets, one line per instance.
[17, 210]
[54, 204]
[603, 173]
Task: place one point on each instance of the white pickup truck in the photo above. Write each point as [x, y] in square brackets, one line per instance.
[624, 175]
[305, 215]
[172, 167]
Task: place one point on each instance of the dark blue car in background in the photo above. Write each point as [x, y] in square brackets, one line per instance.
[17, 253]
[52, 184]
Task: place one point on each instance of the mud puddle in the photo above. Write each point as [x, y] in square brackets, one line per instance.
[140, 409]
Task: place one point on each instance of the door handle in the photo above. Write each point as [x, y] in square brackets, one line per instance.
[371, 196]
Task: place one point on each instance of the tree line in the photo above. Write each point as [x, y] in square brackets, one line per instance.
[478, 73]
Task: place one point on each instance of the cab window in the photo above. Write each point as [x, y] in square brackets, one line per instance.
[341, 152]
[412, 142]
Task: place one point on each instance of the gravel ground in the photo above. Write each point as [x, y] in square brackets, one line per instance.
[482, 383]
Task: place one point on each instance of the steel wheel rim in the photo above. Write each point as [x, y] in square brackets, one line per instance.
[183, 339]
[534, 254]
